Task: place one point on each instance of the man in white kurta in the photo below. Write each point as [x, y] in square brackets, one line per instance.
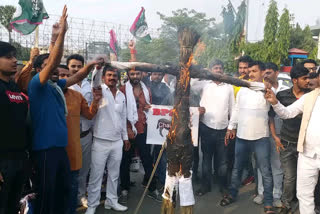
[110, 135]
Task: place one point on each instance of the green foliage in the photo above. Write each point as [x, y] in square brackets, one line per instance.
[255, 50]
[165, 49]
[23, 53]
[217, 49]
[159, 51]
[302, 39]
[283, 37]
[6, 14]
[225, 40]
[228, 18]
[236, 37]
[270, 32]
[185, 18]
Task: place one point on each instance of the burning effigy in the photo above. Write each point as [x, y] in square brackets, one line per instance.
[179, 140]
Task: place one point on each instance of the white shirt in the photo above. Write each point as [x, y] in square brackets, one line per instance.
[312, 143]
[218, 100]
[111, 122]
[85, 90]
[250, 116]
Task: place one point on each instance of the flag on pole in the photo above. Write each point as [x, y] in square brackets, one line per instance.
[113, 42]
[28, 16]
[139, 28]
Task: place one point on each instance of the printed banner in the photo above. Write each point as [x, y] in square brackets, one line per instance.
[159, 123]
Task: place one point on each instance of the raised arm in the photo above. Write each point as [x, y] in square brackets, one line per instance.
[288, 112]
[24, 77]
[54, 36]
[81, 74]
[57, 52]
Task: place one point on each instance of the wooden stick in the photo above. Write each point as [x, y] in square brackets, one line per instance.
[36, 41]
[196, 71]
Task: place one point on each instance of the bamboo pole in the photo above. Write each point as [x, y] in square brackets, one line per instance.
[36, 39]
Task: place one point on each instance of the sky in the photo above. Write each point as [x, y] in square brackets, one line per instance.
[306, 12]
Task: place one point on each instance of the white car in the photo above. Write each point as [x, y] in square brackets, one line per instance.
[284, 80]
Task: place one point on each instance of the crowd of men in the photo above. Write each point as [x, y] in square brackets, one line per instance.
[61, 132]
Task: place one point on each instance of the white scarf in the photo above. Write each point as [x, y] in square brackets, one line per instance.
[60, 92]
[132, 112]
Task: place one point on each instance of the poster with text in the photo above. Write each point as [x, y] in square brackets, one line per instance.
[159, 123]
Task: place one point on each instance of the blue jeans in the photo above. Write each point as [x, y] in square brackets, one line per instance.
[74, 191]
[162, 167]
[261, 148]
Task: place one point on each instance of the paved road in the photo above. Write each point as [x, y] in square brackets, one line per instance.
[207, 204]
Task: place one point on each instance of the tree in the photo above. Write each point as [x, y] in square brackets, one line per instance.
[237, 35]
[6, 14]
[255, 50]
[283, 36]
[309, 44]
[228, 18]
[23, 53]
[228, 44]
[302, 39]
[270, 32]
[165, 49]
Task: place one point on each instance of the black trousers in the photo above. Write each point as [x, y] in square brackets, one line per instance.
[15, 176]
[289, 160]
[53, 178]
[146, 158]
[212, 145]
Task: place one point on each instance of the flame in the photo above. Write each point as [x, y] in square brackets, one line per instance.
[185, 78]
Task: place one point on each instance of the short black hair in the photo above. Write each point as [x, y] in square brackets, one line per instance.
[216, 62]
[309, 61]
[63, 66]
[245, 59]
[7, 49]
[272, 66]
[76, 57]
[109, 68]
[260, 64]
[298, 71]
[39, 60]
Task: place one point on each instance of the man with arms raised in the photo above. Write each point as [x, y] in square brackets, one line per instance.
[50, 137]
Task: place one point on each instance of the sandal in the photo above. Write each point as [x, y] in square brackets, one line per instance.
[227, 200]
[269, 210]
